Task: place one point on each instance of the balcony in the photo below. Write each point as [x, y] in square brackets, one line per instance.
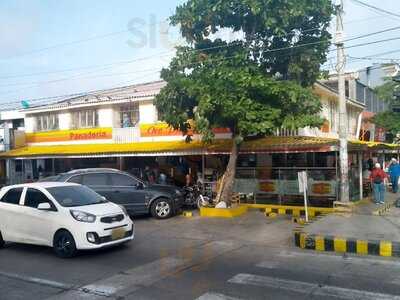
[126, 135]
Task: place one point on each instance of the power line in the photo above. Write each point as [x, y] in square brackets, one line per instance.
[77, 41]
[225, 46]
[373, 33]
[376, 8]
[56, 99]
[296, 46]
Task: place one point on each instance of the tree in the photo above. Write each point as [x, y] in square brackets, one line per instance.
[253, 84]
[389, 120]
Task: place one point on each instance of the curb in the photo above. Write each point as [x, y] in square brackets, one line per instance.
[346, 245]
[297, 211]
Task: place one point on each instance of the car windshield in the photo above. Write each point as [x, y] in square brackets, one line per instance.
[50, 179]
[72, 196]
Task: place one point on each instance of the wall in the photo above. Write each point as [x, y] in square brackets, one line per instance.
[64, 120]
[29, 124]
[106, 117]
[148, 112]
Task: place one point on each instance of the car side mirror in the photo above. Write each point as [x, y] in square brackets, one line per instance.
[44, 206]
[139, 186]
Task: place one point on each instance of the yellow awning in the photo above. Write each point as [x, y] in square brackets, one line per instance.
[260, 145]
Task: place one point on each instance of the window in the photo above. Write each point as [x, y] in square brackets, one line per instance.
[94, 179]
[34, 197]
[47, 122]
[85, 119]
[76, 179]
[122, 180]
[129, 115]
[71, 196]
[12, 196]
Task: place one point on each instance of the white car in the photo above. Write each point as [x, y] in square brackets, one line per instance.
[65, 216]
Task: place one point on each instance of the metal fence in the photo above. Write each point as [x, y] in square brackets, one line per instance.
[280, 186]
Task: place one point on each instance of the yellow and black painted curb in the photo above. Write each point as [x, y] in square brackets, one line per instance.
[296, 212]
[187, 214]
[346, 245]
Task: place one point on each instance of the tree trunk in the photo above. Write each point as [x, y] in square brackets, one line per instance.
[225, 192]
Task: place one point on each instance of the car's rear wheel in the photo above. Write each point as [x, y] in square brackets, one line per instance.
[161, 208]
[2, 242]
[64, 244]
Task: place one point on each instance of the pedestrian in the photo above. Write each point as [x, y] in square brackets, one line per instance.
[149, 175]
[377, 178]
[394, 172]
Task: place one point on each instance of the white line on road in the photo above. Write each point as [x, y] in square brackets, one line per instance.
[40, 281]
[347, 258]
[216, 296]
[311, 289]
[146, 275]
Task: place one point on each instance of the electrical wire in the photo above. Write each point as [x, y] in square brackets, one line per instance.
[217, 47]
[376, 8]
[77, 41]
[302, 45]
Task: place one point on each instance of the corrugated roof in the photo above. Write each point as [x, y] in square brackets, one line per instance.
[131, 92]
[268, 144]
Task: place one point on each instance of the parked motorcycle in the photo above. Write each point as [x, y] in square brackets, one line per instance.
[194, 197]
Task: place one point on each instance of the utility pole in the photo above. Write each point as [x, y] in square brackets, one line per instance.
[343, 123]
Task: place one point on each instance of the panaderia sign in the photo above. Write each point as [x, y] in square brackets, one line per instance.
[70, 135]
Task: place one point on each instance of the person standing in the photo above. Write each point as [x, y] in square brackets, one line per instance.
[394, 172]
[377, 178]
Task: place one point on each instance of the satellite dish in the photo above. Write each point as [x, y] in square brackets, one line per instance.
[25, 104]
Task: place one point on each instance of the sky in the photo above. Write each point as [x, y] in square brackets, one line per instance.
[50, 48]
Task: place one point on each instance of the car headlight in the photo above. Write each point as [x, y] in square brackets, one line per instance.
[124, 210]
[82, 216]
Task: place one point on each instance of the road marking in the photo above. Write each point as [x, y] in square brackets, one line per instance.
[347, 258]
[216, 296]
[129, 281]
[40, 281]
[312, 289]
[269, 264]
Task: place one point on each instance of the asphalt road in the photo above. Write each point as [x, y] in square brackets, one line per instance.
[193, 258]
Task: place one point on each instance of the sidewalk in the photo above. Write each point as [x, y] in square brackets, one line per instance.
[368, 229]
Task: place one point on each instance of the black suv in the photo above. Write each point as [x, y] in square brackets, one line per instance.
[162, 201]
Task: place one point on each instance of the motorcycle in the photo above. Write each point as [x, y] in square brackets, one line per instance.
[194, 197]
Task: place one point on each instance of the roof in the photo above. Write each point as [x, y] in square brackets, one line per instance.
[261, 145]
[120, 94]
[42, 185]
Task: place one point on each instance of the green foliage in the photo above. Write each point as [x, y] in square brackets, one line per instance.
[387, 90]
[246, 84]
[388, 120]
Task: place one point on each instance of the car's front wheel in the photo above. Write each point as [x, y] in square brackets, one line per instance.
[161, 208]
[2, 242]
[64, 244]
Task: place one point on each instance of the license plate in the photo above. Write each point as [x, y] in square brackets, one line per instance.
[118, 234]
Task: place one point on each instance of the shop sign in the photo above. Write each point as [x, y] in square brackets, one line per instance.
[70, 135]
[163, 129]
[323, 188]
[270, 186]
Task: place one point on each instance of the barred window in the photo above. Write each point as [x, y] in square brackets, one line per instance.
[129, 115]
[47, 122]
[85, 119]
